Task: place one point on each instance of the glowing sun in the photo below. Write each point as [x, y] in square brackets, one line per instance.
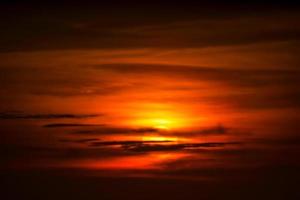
[160, 116]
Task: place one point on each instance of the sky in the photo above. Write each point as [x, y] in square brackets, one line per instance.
[154, 96]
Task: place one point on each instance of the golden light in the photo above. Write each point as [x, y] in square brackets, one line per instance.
[159, 123]
[160, 116]
[159, 138]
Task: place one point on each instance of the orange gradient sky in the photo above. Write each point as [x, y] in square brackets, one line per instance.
[156, 94]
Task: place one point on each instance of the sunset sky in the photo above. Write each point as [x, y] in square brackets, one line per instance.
[185, 94]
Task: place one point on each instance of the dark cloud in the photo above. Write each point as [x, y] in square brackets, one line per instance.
[177, 147]
[286, 141]
[85, 140]
[59, 81]
[71, 26]
[117, 130]
[65, 125]
[27, 155]
[202, 131]
[125, 143]
[167, 145]
[20, 115]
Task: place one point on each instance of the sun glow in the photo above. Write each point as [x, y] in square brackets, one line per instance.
[160, 116]
[159, 138]
[160, 123]
[163, 116]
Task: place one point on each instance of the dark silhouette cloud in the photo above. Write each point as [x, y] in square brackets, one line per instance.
[85, 140]
[116, 130]
[105, 129]
[177, 147]
[287, 141]
[165, 26]
[23, 154]
[20, 115]
[125, 143]
[65, 125]
[167, 145]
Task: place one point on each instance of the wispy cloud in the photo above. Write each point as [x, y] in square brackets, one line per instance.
[116, 130]
[66, 125]
[106, 129]
[20, 115]
[167, 145]
[126, 28]
[230, 76]
[126, 143]
[85, 140]
[215, 130]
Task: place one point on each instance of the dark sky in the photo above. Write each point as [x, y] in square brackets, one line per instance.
[69, 25]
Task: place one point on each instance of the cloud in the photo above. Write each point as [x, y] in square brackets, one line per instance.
[117, 130]
[109, 130]
[282, 97]
[164, 26]
[287, 141]
[215, 130]
[64, 125]
[166, 145]
[85, 140]
[177, 147]
[230, 76]
[20, 115]
[105, 129]
[24, 153]
[127, 143]
[253, 88]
